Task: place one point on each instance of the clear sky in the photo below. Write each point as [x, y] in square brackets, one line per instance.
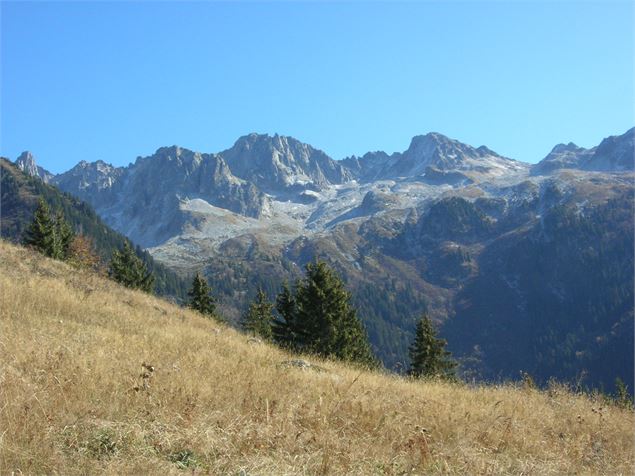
[112, 81]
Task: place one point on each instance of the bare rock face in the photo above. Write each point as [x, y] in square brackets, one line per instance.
[614, 154]
[432, 151]
[175, 171]
[275, 163]
[144, 199]
[563, 156]
[26, 163]
[375, 201]
[283, 188]
[93, 182]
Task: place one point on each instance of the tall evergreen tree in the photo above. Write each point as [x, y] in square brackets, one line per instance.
[428, 356]
[201, 298]
[259, 317]
[41, 233]
[325, 321]
[128, 269]
[63, 236]
[284, 329]
[50, 235]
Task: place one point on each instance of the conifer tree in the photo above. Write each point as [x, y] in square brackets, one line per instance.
[428, 356]
[201, 298]
[284, 330]
[63, 236]
[41, 233]
[51, 236]
[128, 269]
[325, 321]
[259, 317]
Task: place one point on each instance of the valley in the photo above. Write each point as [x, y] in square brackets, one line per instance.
[494, 249]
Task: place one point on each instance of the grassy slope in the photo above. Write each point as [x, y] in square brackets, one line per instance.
[71, 349]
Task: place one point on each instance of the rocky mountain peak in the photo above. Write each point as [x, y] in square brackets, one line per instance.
[561, 148]
[26, 163]
[432, 151]
[89, 180]
[174, 157]
[276, 163]
[98, 167]
[435, 146]
[442, 152]
[615, 153]
[563, 156]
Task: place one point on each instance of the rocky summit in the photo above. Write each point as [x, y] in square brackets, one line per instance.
[26, 163]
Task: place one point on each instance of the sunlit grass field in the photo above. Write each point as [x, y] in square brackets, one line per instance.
[97, 379]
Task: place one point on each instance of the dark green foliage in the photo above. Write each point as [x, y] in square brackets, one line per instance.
[20, 194]
[63, 235]
[387, 309]
[284, 329]
[385, 304]
[259, 317]
[325, 321]
[128, 269]
[428, 356]
[40, 233]
[455, 217]
[201, 299]
[50, 235]
[555, 300]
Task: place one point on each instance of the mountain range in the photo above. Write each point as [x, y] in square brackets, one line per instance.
[525, 267]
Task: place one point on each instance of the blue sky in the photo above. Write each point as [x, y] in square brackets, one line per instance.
[112, 81]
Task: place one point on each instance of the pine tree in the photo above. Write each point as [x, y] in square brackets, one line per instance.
[51, 236]
[284, 330]
[41, 233]
[128, 269]
[63, 236]
[201, 298]
[325, 321]
[258, 318]
[428, 356]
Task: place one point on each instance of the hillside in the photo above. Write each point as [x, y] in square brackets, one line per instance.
[75, 399]
[525, 268]
[20, 192]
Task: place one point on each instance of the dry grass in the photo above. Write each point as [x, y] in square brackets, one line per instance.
[75, 399]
